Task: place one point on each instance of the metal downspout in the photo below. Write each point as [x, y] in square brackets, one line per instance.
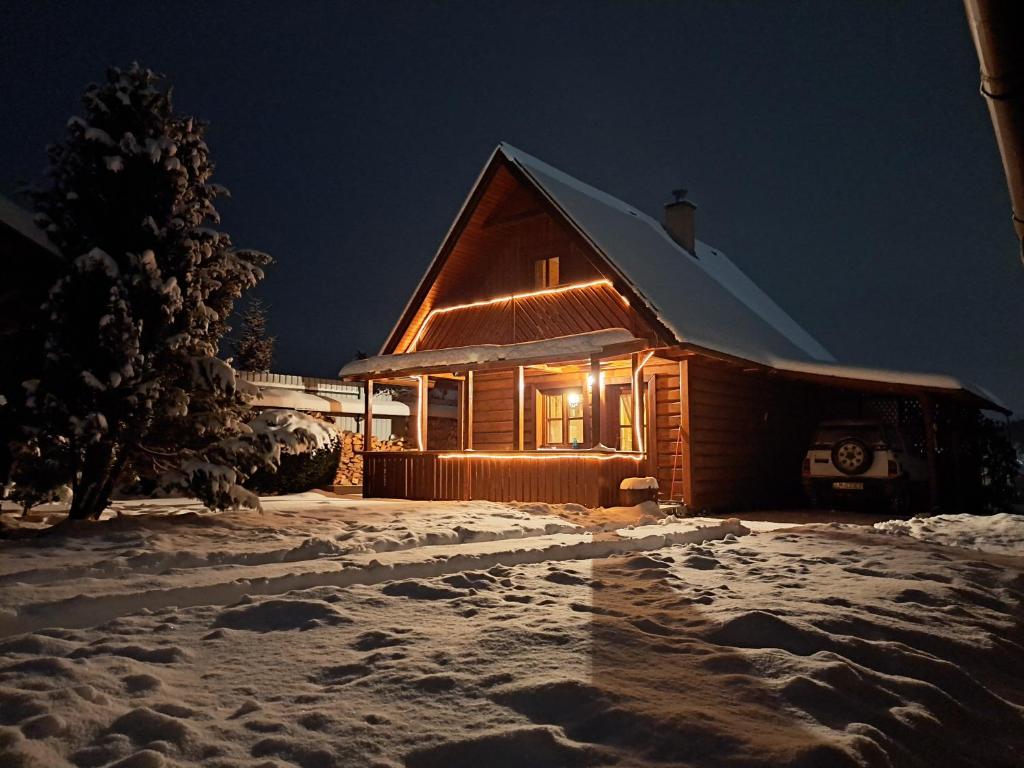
[997, 27]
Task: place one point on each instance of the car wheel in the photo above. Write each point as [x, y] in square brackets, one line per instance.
[851, 456]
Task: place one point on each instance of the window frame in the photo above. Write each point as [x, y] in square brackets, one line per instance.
[547, 272]
[625, 394]
[565, 419]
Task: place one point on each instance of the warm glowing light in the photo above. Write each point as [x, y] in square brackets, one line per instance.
[574, 399]
[510, 297]
[638, 405]
[421, 416]
[590, 379]
[520, 405]
[540, 456]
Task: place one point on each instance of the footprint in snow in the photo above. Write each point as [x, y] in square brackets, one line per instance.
[369, 641]
[281, 615]
[341, 674]
[419, 590]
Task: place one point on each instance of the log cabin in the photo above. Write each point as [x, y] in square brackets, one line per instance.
[588, 343]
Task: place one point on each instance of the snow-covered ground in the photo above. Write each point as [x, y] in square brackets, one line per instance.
[995, 533]
[336, 632]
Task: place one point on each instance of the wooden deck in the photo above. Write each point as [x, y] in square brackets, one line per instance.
[499, 476]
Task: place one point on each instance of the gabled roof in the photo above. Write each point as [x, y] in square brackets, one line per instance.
[702, 299]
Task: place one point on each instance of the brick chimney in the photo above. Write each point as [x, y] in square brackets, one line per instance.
[679, 221]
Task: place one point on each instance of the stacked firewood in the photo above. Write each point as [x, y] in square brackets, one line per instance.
[350, 464]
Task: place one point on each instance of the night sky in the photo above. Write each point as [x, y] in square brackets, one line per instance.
[839, 153]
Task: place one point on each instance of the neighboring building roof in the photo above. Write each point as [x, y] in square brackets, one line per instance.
[309, 393]
[18, 219]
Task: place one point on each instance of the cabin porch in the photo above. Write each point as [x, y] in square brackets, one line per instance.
[562, 420]
[581, 477]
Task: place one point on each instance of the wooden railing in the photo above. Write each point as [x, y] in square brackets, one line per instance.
[513, 476]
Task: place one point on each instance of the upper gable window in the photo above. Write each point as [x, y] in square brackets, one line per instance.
[545, 273]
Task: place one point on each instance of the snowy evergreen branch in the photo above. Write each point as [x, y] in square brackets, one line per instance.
[131, 389]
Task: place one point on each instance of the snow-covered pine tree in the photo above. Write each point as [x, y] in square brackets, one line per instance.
[254, 350]
[131, 382]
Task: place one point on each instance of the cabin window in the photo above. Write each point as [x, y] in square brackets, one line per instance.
[625, 420]
[545, 273]
[563, 418]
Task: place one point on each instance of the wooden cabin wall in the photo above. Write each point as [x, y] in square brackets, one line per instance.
[507, 231]
[668, 415]
[533, 318]
[495, 254]
[492, 411]
[748, 433]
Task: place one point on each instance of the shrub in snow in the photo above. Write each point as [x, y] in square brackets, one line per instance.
[131, 385]
[302, 470]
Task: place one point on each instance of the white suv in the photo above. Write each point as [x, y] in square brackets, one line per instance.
[861, 459]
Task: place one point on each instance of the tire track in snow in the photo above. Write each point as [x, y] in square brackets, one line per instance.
[87, 611]
[341, 545]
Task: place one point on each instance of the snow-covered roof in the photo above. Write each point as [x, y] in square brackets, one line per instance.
[885, 376]
[17, 218]
[276, 397]
[704, 299]
[563, 348]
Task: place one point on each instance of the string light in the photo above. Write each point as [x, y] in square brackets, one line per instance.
[510, 297]
[540, 456]
[421, 416]
[637, 405]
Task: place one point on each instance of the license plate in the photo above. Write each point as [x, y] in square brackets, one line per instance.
[848, 486]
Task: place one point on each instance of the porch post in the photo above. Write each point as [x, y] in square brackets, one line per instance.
[517, 409]
[461, 417]
[595, 401]
[928, 413]
[469, 411]
[637, 396]
[368, 416]
[652, 458]
[421, 412]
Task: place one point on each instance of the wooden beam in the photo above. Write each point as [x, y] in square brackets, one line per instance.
[625, 347]
[637, 396]
[460, 425]
[518, 410]
[368, 416]
[653, 453]
[596, 401]
[469, 411]
[422, 408]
